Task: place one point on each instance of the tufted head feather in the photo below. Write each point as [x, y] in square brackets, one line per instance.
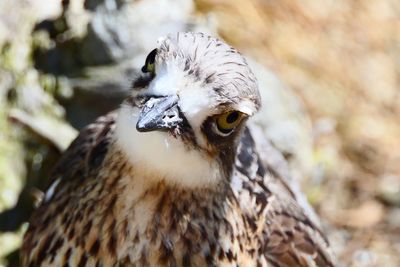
[186, 112]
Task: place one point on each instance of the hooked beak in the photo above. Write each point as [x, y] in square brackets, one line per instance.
[159, 113]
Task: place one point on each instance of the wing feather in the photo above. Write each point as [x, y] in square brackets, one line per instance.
[87, 151]
[79, 162]
[290, 235]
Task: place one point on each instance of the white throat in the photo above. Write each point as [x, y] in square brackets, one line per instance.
[160, 156]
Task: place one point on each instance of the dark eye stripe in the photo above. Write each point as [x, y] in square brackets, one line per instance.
[142, 81]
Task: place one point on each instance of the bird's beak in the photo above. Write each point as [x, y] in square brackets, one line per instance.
[159, 113]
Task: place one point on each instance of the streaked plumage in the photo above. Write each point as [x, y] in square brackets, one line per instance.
[185, 193]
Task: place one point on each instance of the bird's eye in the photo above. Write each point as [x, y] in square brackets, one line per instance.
[228, 121]
[149, 63]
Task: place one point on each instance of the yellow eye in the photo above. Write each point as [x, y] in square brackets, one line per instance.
[150, 67]
[149, 63]
[228, 121]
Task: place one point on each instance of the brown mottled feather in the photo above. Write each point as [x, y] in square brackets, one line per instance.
[106, 209]
[256, 220]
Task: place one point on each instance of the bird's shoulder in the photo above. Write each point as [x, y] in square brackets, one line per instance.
[286, 233]
[79, 164]
[88, 149]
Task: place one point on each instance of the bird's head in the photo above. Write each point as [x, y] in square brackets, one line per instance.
[187, 110]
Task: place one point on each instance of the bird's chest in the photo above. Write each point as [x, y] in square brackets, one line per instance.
[169, 228]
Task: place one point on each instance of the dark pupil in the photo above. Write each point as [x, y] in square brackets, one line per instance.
[232, 117]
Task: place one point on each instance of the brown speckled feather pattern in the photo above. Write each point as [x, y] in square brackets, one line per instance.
[102, 214]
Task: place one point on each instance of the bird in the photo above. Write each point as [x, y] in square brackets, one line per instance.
[178, 175]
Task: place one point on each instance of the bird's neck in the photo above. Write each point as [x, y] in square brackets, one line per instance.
[141, 178]
[149, 210]
[140, 193]
[162, 157]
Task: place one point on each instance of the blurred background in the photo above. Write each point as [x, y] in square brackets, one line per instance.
[329, 70]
